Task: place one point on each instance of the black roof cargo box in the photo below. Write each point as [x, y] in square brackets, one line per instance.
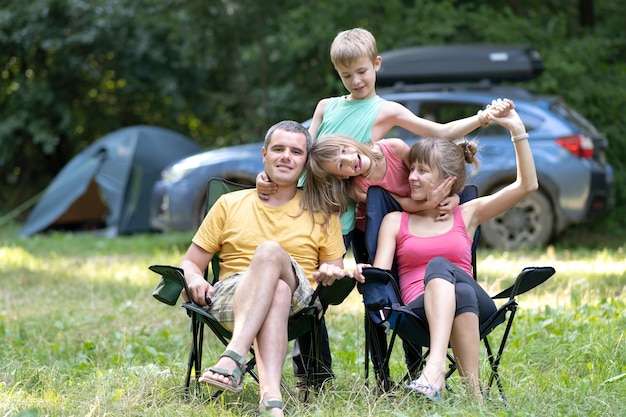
[458, 63]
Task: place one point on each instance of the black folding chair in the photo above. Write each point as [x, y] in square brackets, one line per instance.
[384, 307]
[305, 321]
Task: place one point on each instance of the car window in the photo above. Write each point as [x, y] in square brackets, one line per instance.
[574, 117]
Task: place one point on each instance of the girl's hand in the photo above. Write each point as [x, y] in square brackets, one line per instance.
[265, 186]
[438, 194]
[447, 206]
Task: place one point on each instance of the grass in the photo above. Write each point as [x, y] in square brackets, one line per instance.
[81, 335]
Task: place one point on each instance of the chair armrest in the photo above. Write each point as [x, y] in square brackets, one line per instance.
[333, 294]
[529, 278]
[171, 285]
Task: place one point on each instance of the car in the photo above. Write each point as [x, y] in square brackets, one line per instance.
[576, 184]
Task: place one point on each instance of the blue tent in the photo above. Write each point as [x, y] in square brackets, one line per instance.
[109, 184]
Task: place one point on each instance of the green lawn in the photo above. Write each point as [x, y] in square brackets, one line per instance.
[81, 335]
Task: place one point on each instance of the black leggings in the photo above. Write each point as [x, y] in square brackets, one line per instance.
[470, 296]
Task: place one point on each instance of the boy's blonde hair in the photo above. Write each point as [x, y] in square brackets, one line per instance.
[350, 45]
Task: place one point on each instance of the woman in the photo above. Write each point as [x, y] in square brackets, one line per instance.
[434, 257]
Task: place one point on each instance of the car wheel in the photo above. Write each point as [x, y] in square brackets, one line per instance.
[528, 224]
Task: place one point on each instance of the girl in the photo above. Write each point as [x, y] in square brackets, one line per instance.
[342, 169]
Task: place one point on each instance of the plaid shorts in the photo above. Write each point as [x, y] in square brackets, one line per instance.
[222, 307]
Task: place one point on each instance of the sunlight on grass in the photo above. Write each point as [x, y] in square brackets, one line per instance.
[92, 341]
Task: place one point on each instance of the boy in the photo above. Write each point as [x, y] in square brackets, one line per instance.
[364, 116]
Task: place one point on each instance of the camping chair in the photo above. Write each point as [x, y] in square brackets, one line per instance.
[384, 307]
[306, 321]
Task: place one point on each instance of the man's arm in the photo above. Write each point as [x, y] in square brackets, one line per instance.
[331, 271]
[195, 261]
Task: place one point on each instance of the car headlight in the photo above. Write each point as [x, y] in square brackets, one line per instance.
[177, 172]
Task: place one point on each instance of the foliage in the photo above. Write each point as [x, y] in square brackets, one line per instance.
[221, 72]
[82, 336]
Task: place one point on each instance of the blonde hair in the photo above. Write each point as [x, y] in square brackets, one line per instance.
[350, 45]
[325, 192]
[446, 158]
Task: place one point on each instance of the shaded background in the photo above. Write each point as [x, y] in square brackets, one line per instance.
[221, 72]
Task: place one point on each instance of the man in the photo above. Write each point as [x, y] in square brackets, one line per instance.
[267, 249]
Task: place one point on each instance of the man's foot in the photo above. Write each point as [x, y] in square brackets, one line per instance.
[272, 407]
[227, 374]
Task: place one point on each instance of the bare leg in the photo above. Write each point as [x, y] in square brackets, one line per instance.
[271, 346]
[253, 301]
[440, 305]
[465, 341]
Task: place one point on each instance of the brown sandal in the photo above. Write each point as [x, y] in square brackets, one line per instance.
[266, 405]
[236, 375]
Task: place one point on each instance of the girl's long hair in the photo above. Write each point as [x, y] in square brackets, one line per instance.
[326, 193]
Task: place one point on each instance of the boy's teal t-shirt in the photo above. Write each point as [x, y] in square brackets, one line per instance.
[354, 118]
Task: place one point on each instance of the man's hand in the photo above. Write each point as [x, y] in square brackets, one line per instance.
[327, 274]
[200, 289]
[265, 186]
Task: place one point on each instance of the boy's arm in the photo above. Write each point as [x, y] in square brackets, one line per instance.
[318, 117]
[395, 114]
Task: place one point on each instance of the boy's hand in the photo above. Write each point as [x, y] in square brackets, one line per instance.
[498, 108]
[265, 186]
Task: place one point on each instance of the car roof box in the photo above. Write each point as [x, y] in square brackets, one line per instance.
[457, 63]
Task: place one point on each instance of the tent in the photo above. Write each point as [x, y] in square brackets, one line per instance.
[109, 184]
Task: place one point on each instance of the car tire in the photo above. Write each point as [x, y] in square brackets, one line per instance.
[529, 224]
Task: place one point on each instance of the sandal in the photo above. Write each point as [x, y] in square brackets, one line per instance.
[423, 389]
[235, 375]
[266, 405]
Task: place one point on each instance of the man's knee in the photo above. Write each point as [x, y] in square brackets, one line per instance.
[271, 252]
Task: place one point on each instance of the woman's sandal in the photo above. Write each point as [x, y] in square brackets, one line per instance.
[423, 390]
[235, 375]
[427, 389]
[266, 405]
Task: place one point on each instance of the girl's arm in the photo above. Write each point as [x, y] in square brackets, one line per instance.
[437, 196]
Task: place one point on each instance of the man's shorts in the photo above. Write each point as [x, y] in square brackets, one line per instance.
[222, 307]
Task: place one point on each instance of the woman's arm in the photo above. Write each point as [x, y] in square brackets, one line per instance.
[487, 207]
[387, 234]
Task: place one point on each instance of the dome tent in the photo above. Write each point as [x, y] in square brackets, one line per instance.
[110, 182]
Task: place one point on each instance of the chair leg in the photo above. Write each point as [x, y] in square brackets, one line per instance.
[194, 362]
[494, 361]
[377, 351]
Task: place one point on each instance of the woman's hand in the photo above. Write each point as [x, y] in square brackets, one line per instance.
[358, 272]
